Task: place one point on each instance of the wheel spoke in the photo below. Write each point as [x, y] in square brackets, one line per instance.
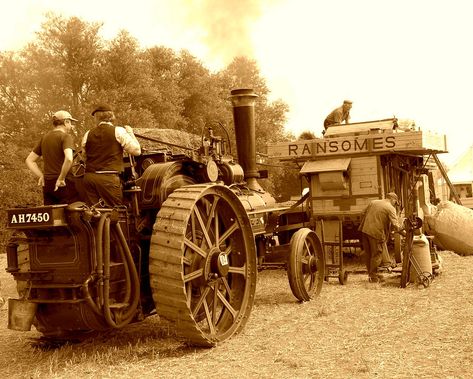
[193, 275]
[209, 317]
[227, 288]
[308, 278]
[195, 248]
[238, 270]
[187, 261]
[227, 305]
[215, 302]
[229, 231]
[202, 225]
[211, 212]
[200, 302]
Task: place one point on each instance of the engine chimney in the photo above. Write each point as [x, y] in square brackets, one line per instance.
[243, 102]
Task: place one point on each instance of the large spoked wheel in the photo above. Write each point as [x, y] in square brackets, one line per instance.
[203, 263]
[306, 265]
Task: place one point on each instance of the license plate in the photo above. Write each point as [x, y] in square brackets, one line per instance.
[30, 217]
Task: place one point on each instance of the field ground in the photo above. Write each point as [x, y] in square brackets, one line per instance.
[360, 330]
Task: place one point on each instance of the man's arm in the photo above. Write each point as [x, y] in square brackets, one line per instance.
[395, 224]
[66, 166]
[127, 140]
[31, 163]
[82, 144]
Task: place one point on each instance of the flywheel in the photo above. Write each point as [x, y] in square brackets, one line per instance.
[203, 263]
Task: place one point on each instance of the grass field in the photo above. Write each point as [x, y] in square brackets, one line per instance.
[360, 330]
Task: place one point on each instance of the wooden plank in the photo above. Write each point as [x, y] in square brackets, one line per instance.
[361, 128]
[413, 142]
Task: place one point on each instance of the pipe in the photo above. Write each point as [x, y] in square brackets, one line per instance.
[135, 280]
[126, 269]
[99, 268]
[243, 102]
[132, 281]
[106, 276]
[88, 297]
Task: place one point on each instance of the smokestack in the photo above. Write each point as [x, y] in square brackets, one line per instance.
[243, 102]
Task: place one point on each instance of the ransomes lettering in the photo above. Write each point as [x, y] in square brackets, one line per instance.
[342, 146]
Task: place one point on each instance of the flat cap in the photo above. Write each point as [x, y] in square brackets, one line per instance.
[102, 108]
[392, 195]
[347, 102]
[62, 115]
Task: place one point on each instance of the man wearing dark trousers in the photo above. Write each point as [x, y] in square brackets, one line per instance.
[56, 149]
[103, 147]
[378, 219]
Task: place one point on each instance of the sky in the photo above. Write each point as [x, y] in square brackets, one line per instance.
[412, 59]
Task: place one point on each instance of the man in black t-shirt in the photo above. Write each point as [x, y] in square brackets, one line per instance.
[56, 149]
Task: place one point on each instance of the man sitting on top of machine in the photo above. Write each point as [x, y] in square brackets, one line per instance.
[338, 115]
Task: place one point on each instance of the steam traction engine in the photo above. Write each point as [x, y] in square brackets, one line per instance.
[188, 242]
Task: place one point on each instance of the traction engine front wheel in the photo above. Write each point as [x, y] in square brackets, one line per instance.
[203, 263]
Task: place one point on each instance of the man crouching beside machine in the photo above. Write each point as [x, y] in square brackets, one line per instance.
[378, 219]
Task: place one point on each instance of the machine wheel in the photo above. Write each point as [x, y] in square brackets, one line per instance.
[203, 263]
[306, 265]
[343, 277]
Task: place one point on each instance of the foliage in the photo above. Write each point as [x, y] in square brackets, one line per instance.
[18, 186]
[70, 66]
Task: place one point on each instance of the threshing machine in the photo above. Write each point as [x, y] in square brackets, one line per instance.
[359, 162]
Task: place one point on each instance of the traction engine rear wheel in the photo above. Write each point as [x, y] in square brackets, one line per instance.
[203, 263]
[306, 265]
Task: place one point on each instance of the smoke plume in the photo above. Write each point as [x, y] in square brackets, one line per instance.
[224, 26]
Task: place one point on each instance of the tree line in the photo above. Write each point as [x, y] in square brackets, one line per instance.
[69, 66]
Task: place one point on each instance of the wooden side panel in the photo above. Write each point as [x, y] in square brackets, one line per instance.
[318, 191]
[364, 176]
[341, 207]
[364, 186]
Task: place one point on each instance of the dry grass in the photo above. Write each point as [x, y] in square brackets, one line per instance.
[360, 330]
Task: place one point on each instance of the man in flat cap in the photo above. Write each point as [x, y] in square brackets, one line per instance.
[103, 147]
[379, 218]
[56, 149]
[338, 115]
